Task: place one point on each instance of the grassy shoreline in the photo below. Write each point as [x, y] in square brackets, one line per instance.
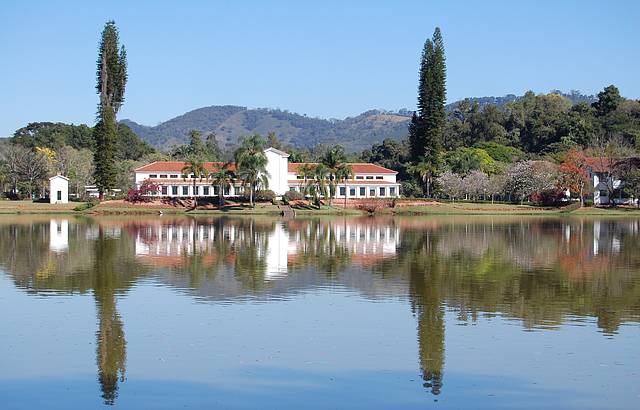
[434, 208]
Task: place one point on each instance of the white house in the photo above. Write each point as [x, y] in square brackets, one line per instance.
[368, 180]
[58, 190]
[604, 184]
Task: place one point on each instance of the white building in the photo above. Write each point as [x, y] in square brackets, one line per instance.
[58, 190]
[606, 188]
[367, 181]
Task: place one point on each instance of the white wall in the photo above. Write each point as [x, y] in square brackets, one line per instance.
[278, 174]
[56, 184]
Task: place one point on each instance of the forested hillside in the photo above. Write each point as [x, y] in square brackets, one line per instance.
[355, 133]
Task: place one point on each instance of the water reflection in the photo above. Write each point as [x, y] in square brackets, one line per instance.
[540, 271]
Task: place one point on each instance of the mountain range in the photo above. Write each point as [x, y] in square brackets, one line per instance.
[229, 122]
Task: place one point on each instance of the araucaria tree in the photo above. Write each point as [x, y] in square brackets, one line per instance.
[111, 81]
[426, 129]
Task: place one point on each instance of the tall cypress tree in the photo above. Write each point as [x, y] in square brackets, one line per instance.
[111, 76]
[427, 125]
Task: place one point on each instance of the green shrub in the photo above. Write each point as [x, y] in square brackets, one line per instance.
[292, 196]
[87, 205]
[264, 195]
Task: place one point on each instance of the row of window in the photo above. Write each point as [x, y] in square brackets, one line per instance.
[206, 190]
[379, 177]
[165, 176]
[362, 191]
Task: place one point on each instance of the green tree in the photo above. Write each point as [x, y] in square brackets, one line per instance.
[111, 82]
[251, 163]
[344, 173]
[333, 160]
[273, 141]
[427, 127]
[425, 172]
[318, 187]
[221, 178]
[195, 169]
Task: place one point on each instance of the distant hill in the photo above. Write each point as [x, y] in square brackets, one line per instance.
[230, 122]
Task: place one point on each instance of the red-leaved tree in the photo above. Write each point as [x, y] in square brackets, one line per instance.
[573, 173]
[144, 192]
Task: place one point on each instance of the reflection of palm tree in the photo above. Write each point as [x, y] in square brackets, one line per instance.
[111, 345]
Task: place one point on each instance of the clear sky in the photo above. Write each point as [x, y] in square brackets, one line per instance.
[323, 58]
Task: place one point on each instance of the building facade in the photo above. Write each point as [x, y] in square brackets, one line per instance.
[58, 190]
[367, 181]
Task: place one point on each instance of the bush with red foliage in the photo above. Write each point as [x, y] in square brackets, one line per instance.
[143, 193]
[548, 197]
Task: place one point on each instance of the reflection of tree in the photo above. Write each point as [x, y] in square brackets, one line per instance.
[320, 247]
[250, 248]
[111, 345]
[419, 249]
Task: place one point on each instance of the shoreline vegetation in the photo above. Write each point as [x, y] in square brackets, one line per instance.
[401, 208]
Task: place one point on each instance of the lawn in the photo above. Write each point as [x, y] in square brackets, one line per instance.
[12, 207]
[468, 208]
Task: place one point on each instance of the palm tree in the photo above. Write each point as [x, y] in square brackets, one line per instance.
[307, 171]
[318, 185]
[251, 163]
[196, 167]
[222, 178]
[332, 159]
[344, 173]
[425, 172]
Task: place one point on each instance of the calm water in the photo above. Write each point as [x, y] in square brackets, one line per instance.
[162, 312]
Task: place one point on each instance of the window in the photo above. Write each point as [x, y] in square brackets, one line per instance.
[343, 191]
[163, 190]
[59, 195]
[185, 190]
[205, 191]
[392, 191]
[193, 176]
[604, 193]
[299, 177]
[196, 190]
[382, 191]
[363, 191]
[174, 176]
[372, 192]
[153, 176]
[378, 176]
[174, 190]
[226, 190]
[352, 192]
[163, 175]
[359, 177]
[369, 176]
[292, 188]
[184, 176]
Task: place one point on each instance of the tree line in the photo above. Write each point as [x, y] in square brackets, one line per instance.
[474, 151]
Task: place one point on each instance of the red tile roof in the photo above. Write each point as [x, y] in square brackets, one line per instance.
[176, 166]
[351, 182]
[356, 167]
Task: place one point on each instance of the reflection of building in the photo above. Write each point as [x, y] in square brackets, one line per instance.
[168, 244]
[59, 235]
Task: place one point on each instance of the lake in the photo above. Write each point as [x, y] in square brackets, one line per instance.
[354, 313]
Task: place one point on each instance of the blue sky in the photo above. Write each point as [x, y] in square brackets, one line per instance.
[324, 58]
